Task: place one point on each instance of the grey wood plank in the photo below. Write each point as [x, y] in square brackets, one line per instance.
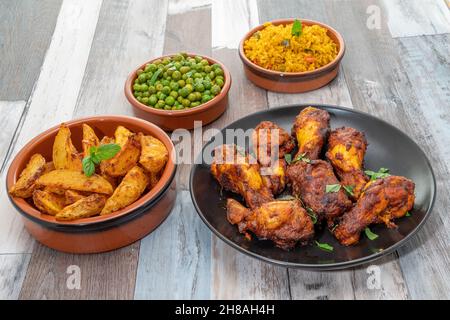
[348, 284]
[52, 101]
[129, 33]
[380, 83]
[234, 275]
[10, 115]
[102, 276]
[175, 260]
[12, 272]
[122, 40]
[24, 39]
[408, 18]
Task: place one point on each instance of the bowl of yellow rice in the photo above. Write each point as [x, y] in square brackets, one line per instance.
[291, 55]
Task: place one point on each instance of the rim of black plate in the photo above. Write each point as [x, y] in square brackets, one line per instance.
[327, 266]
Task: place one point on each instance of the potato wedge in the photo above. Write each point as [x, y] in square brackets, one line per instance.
[153, 180]
[83, 208]
[47, 202]
[65, 156]
[56, 190]
[106, 140]
[90, 139]
[128, 191]
[154, 154]
[25, 185]
[49, 166]
[124, 160]
[122, 135]
[72, 196]
[74, 180]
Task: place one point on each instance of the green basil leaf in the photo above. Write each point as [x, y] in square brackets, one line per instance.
[372, 236]
[296, 28]
[324, 246]
[332, 188]
[94, 158]
[288, 158]
[382, 173]
[88, 166]
[107, 151]
[349, 190]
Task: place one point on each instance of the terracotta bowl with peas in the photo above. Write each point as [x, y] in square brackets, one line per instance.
[173, 91]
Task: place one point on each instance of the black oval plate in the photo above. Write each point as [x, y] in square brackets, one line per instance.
[388, 147]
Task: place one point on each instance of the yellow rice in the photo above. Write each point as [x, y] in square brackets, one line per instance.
[275, 48]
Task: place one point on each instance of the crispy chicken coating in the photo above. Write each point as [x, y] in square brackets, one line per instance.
[274, 177]
[311, 128]
[381, 201]
[262, 144]
[283, 222]
[346, 150]
[309, 182]
[235, 172]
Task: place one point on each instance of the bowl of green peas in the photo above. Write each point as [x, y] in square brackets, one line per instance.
[175, 90]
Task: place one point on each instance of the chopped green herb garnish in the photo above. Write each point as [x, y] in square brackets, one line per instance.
[288, 158]
[155, 76]
[332, 188]
[301, 157]
[96, 155]
[349, 190]
[311, 214]
[324, 246]
[408, 214]
[296, 28]
[372, 236]
[382, 173]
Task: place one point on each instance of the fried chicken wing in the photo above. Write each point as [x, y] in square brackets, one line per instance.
[346, 150]
[262, 144]
[234, 172]
[309, 182]
[311, 128]
[283, 222]
[381, 201]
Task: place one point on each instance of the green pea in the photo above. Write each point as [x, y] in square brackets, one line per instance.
[180, 99]
[198, 67]
[165, 82]
[167, 107]
[152, 100]
[161, 96]
[179, 107]
[185, 69]
[159, 87]
[170, 72]
[170, 101]
[178, 57]
[145, 94]
[139, 99]
[198, 96]
[176, 75]
[207, 93]
[215, 89]
[166, 89]
[160, 104]
[212, 75]
[184, 92]
[136, 81]
[138, 94]
[192, 97]
[218, 72]
[174, 86]
[215, 66]
[174, 94]
[166, 61]
[197, 75]
[189, 81]
[157, 61]
[186, 103]
[220, 77]
[207, 69]
[145, 100]
[144, 87]
[139, 72]
[189, 87]
[151, 89]
[198, 59]
[181, 83]
[142, 78]
[195, 104]
[204, 62]
[206, 98]
[219, 82]
[207, 84]
[136, 87]
[152, 67]
[199, 87]
[184, 76]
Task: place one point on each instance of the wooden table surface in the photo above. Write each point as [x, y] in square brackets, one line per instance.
[64, 59]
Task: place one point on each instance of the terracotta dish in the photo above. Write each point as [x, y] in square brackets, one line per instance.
[99, 233]
[174, 119]
[293, 82]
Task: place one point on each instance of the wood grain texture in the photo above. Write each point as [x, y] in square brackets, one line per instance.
[122, 40]
[348, 284]
[179, 36]
[103, 276]
[24, 39]
[234, 275]
[52, 100]
[12, 272]
[384, 87]
[408, 18]
[175, 260]
[10, 114]
[129, 33]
